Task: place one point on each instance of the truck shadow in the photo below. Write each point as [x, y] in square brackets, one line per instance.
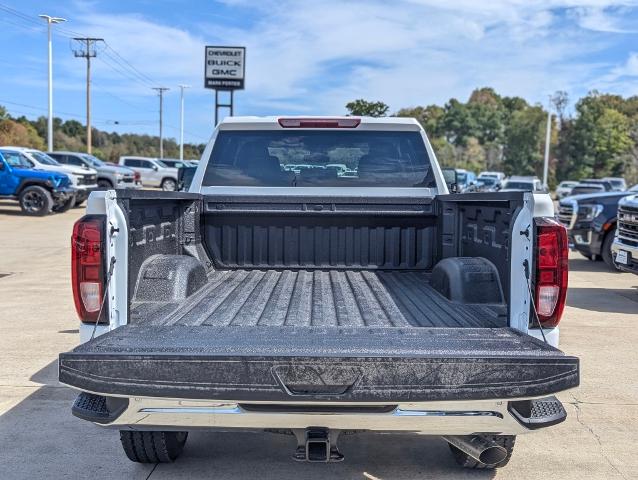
[608, 300]
[581, 264]
[41, 439]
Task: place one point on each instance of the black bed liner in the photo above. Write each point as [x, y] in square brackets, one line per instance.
[320, 298]
[270, 363]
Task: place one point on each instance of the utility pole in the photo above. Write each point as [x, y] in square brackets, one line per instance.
[181, 120]
[161, 91]
[50, 20]
[88, 52]
[548, 138]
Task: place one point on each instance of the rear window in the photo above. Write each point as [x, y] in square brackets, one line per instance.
[325, 158]
[519, 185]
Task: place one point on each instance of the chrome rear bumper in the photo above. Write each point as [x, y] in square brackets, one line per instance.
[431, 418]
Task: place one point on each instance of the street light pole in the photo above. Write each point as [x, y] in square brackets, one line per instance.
[548, 138]
[181, 121]
[50, 20]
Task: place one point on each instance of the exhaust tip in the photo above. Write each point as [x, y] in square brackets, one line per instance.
[493, 455]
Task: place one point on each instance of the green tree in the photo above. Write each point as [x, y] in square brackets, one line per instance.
[364, 108]
[597, 140]
[524, 138]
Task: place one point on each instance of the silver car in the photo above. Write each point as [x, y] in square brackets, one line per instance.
[154, 172]
[108, 175]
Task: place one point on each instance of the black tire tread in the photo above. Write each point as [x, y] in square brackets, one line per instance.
[152, 447]
[47, 195]
[465, 461]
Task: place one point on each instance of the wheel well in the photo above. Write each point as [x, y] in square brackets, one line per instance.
[168, 178]
[607, 232]
[106, 179]
[32, 183]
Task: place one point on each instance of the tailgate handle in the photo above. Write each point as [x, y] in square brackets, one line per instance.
[315, 380]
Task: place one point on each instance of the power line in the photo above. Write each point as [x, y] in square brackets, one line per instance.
[140, 74]
[116, 67]
[72, 115]
[104, 91]
[31, 24]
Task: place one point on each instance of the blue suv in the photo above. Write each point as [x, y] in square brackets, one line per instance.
[39, 192]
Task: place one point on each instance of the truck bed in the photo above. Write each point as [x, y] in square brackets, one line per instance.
[349, 298]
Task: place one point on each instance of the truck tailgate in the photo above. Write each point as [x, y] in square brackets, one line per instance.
[288, 363]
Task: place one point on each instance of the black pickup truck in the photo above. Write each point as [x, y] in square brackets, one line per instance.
[591, 222]
[317, 279]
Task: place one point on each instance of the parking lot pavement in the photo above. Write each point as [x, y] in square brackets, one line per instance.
[40, 439]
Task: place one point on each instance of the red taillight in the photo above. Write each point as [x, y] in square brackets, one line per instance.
[136, 176]
[87, 267]
[551, 271]
[347, 122]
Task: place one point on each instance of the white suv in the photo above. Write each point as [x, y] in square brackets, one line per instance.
[83, 179]
[153, 172]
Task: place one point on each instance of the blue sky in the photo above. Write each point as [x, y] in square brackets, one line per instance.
[312, 57]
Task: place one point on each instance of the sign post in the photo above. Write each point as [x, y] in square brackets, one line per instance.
[224, 70]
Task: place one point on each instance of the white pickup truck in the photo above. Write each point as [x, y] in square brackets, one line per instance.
[284, 294]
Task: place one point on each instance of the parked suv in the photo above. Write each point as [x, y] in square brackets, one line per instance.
[591, 223]
[108, 175]
[39, 192]
[625, 246]
[84, 180]
[618, 183]
[153, 172]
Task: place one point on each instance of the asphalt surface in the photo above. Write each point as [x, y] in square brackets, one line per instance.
[40, 439]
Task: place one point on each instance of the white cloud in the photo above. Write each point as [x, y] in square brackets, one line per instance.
[313, 57]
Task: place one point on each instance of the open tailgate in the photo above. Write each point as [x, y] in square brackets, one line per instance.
[318, 364]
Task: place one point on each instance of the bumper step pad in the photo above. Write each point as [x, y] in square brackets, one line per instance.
[98, 409]
[539, 413]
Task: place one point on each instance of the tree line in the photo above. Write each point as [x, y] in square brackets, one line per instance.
[71, 135]
[598, 138]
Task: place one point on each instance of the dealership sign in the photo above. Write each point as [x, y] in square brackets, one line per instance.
[225, 68]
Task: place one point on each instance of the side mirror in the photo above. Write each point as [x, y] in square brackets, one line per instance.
[1, 166]
[450, 177]
[155, 168]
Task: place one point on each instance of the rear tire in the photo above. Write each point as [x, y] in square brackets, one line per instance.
[36, 201]
[103, 184]
[608, 258]
[169, 185]
[153, 447]
[78, 203]
[465, 461]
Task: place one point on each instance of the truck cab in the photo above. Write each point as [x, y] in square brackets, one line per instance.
[38, 192]
[283, 295]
